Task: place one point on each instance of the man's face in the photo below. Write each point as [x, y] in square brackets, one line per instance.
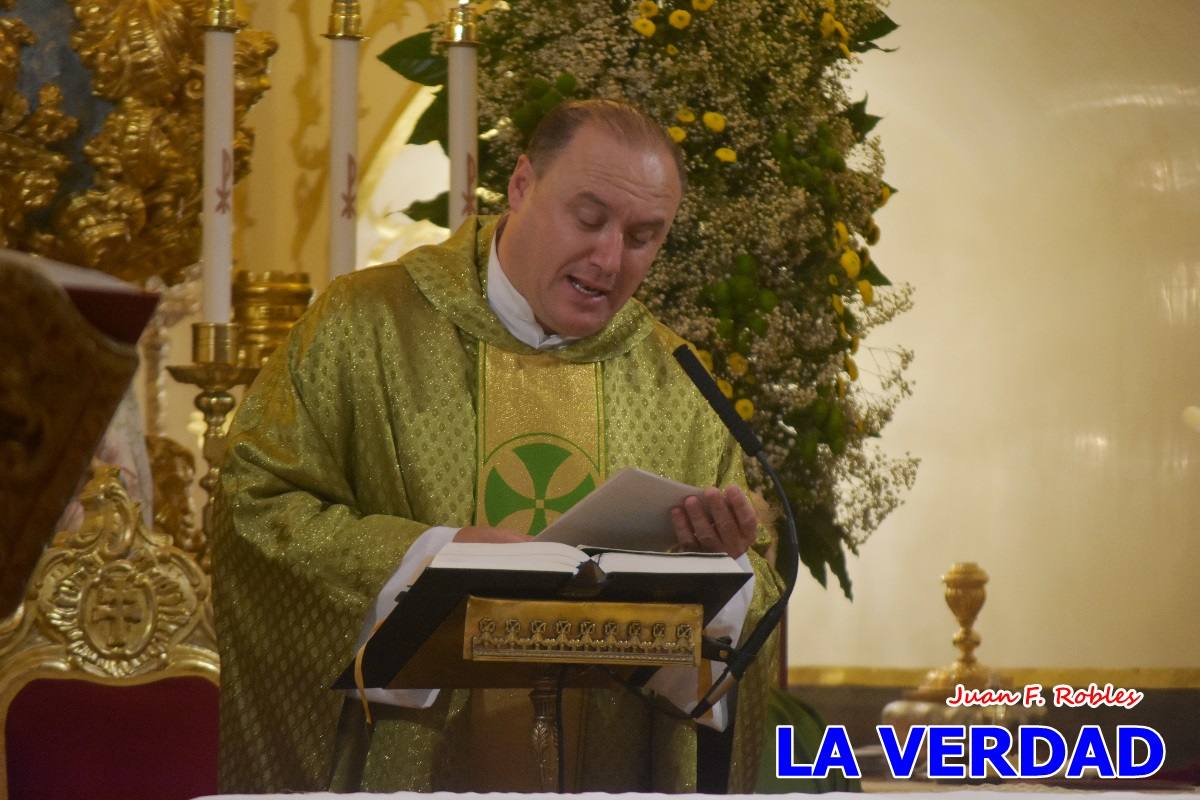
[580, 237]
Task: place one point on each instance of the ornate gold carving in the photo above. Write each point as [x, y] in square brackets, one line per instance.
[174, 469]
[562, 632]
[29, 169]
[139, 217]
[113, 599]
[266, 305]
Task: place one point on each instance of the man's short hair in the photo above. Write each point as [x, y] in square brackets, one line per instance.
[625, 121]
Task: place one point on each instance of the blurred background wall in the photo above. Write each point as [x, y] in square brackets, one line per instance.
[1048, 161]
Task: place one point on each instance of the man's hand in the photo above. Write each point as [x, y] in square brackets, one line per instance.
[717, 522]
[477, 533]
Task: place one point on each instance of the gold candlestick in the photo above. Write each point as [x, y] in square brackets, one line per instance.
[221, 15]
[345, 20]
[266, 305]
[460, 28]
[215, 369]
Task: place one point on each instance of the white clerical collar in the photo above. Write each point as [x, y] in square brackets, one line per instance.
[513, 309]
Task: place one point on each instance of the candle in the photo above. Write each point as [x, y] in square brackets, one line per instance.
[464, 125]
[217, 219]
[345, 33]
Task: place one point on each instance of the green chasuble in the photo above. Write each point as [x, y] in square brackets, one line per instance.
[359, 434]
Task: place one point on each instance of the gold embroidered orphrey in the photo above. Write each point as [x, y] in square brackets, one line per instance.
[540, 438]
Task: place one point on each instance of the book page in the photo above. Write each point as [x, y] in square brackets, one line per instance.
[665, 563]
[531, 556]
[629, 511]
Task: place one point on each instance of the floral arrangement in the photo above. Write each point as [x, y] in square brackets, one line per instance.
[767, 269]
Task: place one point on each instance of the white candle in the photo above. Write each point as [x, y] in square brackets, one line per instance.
[217, 220]
[464, 132]
[343, 157]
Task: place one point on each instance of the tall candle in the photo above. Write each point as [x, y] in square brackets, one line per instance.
[463, 140]
[217, 219]
[345, 32]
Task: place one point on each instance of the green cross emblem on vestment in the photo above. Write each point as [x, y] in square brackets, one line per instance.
[548, 468]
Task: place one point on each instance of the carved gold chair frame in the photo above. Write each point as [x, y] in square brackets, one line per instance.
[113, 602]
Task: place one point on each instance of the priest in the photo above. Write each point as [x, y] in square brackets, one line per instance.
[469, 392]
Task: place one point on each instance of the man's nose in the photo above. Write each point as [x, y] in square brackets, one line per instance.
[606, 254]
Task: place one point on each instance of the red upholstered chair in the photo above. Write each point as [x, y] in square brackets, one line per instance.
[108, 669]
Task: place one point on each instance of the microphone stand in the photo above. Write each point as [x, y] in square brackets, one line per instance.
[738, 659]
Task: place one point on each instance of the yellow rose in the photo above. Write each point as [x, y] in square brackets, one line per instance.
[885, 192]
[744, 408]
[737, 364]
[644, 26]
[841, 234]
[648, 8]
[726, 155]
[845, 334]
[833, 280]
[672, 50]
[839, 28]
[677, 134]
[713, 121]
[851, 263]
[725, 387]
[853, 344]
[705, 358]
[845, 50]
[851, 368]
[702, 5]
[838, 305]
[685, 115]
[867, 291]
[680, 19]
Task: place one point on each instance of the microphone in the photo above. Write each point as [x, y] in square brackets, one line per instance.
[738, 659]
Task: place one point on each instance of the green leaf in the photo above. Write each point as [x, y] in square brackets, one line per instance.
[821, 542]
[864, 38]
[870, 273]
[414, 59]
[862, 122]
[433, 125]
[876, 30]
[784, 708]
[436, 210]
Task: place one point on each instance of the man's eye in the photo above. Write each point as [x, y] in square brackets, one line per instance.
[591, 224]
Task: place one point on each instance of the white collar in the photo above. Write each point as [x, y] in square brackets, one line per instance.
[513, 309]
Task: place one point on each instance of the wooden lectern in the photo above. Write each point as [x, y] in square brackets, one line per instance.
[548, 632]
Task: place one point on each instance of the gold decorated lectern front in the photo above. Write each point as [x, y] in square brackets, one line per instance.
[545, 645]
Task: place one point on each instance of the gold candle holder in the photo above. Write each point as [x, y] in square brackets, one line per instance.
[266, 305]
[345, 20]
[215, 370]
[460, 27]
[221, 15]
[965, 595]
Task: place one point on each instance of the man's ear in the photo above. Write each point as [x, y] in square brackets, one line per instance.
[520, 183]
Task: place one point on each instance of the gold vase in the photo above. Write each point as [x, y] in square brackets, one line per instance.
[266, 305]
